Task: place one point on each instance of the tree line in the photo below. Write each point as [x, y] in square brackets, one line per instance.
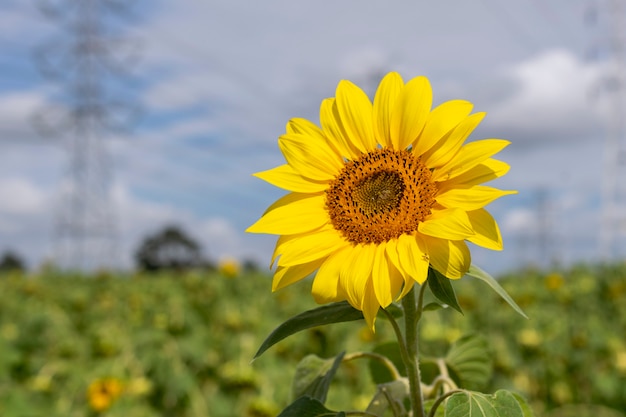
[170, 248]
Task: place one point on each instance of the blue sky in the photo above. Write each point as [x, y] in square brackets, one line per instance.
[217, 81]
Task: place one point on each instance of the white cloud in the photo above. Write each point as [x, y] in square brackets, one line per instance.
[552, 100]
[221, 238]
[519, 220]
[20, 21]
[17, 110]
[20, 196]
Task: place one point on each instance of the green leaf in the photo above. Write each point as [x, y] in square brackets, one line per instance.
[390, 396]
[393, 309]
[470, 362]
[309, 407]
[526, 410]
[476, 272]
[331, 313]
[428, 405]
[442, 289]
[434, 306]
[475, 404]
[380, 374]
[313, 376]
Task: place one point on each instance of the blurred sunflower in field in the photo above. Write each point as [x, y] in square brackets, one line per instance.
[380, 192]
[229, 267]
[554, 281]
[103, 392]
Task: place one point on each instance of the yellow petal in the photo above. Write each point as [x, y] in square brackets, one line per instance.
[281, 244]
[471, 198]
[396, 268]
[468, 157]
[440, 121]
[326, 282]
[333, 129]
[453, 224]
[487, 230]
[450, 257]
[370, 306]
[411, 112]
[413, 257]
[355, 273]
[309, 158]
[444, 150]
[486, 171]
[380, 277]
[305, 127]
[287, 275]
[386, 279]
[285, 177]
[299, 216]
[384, 104]
[309, 247]
[355, 110]
[288, 199]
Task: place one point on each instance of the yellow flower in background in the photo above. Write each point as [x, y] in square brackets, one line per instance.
[229, 267]
[103, 392]
[380, 192]
[529, 337]
[554, 281]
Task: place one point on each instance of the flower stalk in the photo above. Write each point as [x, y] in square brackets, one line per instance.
[412, 315]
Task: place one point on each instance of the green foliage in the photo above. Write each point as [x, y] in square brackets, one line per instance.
[476, 404]
[308, 407]
[169, 249]
[570, 351]
[469, 362]
[526, 410]
[379, 373]
[313, 376]
[442, 289]
[183, 346]
[328, 314]
[476, 272]
[11, 262]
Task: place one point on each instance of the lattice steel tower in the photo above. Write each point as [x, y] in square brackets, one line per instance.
[81, 61]
[613, 229]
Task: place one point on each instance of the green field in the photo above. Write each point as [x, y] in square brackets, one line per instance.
[181, 344]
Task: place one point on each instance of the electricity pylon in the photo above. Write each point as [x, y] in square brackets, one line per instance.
[82, 62]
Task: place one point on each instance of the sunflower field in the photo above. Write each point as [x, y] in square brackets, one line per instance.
[182, 345]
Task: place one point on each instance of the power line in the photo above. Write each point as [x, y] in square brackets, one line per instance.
[613, 218]
[85, 231]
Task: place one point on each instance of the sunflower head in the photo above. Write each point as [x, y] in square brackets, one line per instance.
[103, 392]
[380, 191]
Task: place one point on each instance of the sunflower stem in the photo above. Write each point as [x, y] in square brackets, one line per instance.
[396, 328]
[412, 315]
[382, 359]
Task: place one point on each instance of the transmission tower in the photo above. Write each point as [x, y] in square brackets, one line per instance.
[81, 62]
[613, 226]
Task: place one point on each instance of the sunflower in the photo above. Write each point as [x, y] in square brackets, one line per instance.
[102, 393]
[381, 192]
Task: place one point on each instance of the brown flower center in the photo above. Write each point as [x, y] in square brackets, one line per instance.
[380, 195]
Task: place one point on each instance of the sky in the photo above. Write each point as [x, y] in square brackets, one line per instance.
[215, 82]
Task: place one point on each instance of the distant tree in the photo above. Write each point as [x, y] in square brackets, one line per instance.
[11, 262]
[171, 248]
[250, 266]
